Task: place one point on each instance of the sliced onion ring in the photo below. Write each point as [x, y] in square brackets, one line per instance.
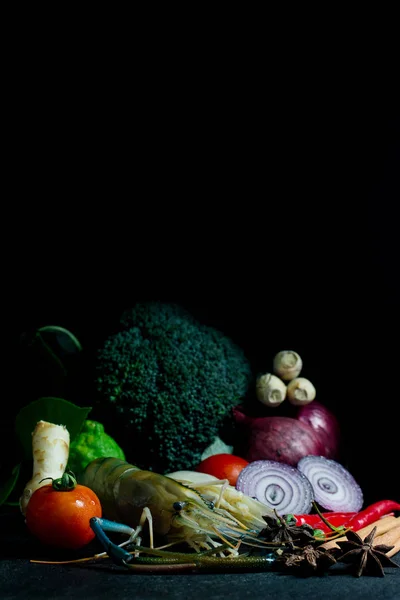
[334, 487]
[277, 485]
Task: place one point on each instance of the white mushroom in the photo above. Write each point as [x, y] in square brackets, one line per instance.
[287, 365]
[300, 391]
[270, 390]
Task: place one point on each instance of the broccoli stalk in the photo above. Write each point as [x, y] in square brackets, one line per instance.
[167, 384]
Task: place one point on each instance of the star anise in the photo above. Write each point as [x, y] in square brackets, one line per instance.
[309, 560]
[284, 530]
[364, 555]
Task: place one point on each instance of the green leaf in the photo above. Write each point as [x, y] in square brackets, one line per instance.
[52, 410]
[7, 487]
[66, 340]
[50, 358]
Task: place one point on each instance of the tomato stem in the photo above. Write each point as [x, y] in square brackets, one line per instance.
[66, 483]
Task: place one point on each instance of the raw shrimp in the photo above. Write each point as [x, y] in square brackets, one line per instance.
[178, 512]
[224, 496]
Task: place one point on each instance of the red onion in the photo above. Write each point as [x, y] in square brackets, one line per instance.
[280, 439]
[276, 485]
[334, 487]
[325, 425]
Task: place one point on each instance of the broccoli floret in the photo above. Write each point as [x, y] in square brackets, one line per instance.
[167, 383]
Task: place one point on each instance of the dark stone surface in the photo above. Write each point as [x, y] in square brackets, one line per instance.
[21, 579]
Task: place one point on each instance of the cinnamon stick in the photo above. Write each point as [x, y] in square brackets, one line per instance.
[383, 526]
[394, 550]
[390, 538]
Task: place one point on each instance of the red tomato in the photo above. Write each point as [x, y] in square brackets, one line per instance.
[223, 466]
[62, 518]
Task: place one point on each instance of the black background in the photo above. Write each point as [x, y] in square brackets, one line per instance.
[274, 223]
[256, 182]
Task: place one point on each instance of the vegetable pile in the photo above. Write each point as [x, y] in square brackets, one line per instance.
[167, 387]
[66, 515]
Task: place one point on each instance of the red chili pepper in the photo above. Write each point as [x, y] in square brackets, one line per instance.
[336, 519]
[372, 513]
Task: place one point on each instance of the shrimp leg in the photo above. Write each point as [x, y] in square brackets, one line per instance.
[117, 553]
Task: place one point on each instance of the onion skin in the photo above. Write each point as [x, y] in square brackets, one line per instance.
[325, 424]
[281, 439]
